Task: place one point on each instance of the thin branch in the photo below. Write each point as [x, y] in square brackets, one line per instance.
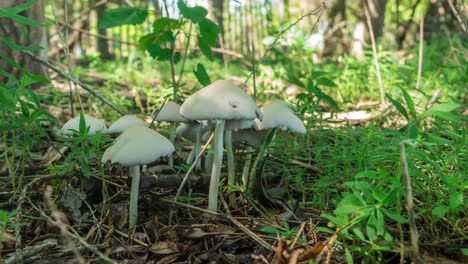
[376, 59]
[76, 81]
[421, 45]
[409, 204]
[457, 15]
[318, 11]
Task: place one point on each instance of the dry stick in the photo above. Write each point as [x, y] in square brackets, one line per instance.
[376, 59]
[457, 15]
[409, 203]
[76, 81]
[73, 234]
[247, 231]
[60, 221]
[421, 42]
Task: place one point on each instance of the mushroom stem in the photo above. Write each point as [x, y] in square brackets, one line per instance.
[230, 161]
[172, 128]
[198, 147]
[216, 170]
[133, 211]
[248, 161]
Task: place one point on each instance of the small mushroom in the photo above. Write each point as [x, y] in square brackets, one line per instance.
[275, 114]
[124, 122]
[93, 123]
[217, 102]
[137, 145]
[170, 113]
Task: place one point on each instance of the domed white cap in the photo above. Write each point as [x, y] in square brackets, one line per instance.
[279, 113]
[138, 145]
[170, 113]
[219, 100]
[124, 122]
[93, 123]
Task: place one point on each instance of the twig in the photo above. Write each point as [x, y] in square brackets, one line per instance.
[409, 204]
[421, 44]
[253, 72]
[73, 234]
[125, 235]
[60, 221]
[76, 81]
[376, 59]
[247, 231]
[318, 11]
[457, 15]
[33, 251]
[434, 98]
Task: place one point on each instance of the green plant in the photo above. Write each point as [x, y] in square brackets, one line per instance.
[287, 232]
[160, 44]
[83, 147]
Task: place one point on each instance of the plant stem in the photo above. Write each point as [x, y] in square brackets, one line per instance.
[198, 146]
[133, 211]
[230, 161]
[172, 139]
[410, 206]
[248, 161]
[253, 171]
[216, 170]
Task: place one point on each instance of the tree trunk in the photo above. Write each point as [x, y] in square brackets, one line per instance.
[215, 10]
[102, 44]
[35, 36]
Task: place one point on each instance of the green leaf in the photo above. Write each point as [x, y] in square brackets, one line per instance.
[209, 31]
[19, 19]
[204, 47]
[399, 107]
[269, 230]
[13, 46]
[359, 234]
[456, 200]
[394, 216]
[413, 131]
[159, 53]
[6, 98]
[82, 124]
[440, 211]
[440, 114]
[326, 82]
[22, 7]
[123, 16]
[165, 24]
[85, 166]
[195, 14]
[409, 102]
[202, 75]
[445, 107]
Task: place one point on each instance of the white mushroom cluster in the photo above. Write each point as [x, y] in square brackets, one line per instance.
[222, 105]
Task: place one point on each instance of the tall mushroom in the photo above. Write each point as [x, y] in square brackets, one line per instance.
[137, 145]
[217, 102]
[170, 113]
[275, 114]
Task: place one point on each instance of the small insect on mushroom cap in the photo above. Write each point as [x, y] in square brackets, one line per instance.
[138, 145]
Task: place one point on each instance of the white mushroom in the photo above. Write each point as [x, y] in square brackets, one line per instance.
[219, 101]
[275, 114]
[124, 122]
[170, 113]
[137, 145]
[93, 123]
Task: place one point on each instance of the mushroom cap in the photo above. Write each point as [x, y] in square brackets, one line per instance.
[189, 131]
[124, 122]
[279, 113]
[220, 100]
[138, 145]
[236, 124]
[170, 113]
[251, 136]
[93, 123]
